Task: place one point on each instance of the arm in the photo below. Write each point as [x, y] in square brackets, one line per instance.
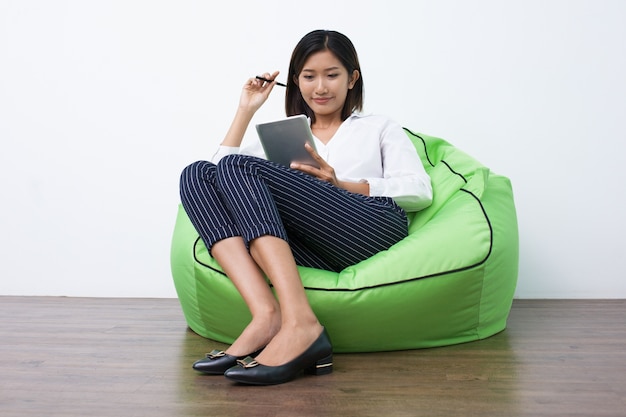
[404, 178]
[254, 93]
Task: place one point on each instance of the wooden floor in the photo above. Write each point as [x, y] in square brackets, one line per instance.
[131, 357]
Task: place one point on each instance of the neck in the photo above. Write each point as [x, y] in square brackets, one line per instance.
[326, 122]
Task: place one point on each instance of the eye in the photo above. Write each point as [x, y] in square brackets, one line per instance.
[307, 77]
[333, 75]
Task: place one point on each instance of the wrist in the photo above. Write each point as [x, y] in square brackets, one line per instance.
[244, 112]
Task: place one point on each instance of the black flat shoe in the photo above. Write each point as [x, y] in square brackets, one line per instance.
[316, 360]
[217, 362]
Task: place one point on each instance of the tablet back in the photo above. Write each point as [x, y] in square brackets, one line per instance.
[283, 140]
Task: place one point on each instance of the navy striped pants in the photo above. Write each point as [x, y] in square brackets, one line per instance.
[326, 226]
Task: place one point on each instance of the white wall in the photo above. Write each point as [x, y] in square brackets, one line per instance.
[102, 103]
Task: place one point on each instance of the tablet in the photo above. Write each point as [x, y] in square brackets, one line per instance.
[283, 140]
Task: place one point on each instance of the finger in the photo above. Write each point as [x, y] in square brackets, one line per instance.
[310, 149]
[307, 169]
[261, 83]
[314, 154]
[254, 82]
[268, 78]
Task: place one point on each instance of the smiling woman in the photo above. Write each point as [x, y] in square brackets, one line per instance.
[324, 82]
[262, 220]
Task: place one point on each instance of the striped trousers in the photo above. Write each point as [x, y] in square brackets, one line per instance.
[326, 226]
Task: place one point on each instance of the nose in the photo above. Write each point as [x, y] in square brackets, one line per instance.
[321, 87]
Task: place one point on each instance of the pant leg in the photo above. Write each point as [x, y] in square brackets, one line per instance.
[327, 222]
[203, 204]
[213, 221]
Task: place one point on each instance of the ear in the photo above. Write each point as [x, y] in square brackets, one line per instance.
[353, 79]
[295, 80]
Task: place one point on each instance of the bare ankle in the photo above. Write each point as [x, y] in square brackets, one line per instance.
[304, 322]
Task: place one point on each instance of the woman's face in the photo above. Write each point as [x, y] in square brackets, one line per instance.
[324, 83]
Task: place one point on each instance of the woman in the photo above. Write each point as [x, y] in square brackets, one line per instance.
[258, 218]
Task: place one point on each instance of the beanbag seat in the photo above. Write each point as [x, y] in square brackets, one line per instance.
[451, 280]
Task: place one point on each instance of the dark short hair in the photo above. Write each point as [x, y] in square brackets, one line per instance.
[340, 46]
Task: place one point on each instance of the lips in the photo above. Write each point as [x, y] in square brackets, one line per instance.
[321, 100]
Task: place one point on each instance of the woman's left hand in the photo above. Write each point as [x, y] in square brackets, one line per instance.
[325, 172]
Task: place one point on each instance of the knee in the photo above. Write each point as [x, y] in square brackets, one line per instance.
[197, 171]
[197, 168]
[234, 164]
[231, 160]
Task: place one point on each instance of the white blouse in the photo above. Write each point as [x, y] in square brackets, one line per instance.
[372, 149]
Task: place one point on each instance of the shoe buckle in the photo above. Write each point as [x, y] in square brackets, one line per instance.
[248, 362]
[214, 354]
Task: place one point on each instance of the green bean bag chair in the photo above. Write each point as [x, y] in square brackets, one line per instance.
[450, 281]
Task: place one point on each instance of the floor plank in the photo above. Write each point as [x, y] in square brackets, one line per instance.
[131, 357]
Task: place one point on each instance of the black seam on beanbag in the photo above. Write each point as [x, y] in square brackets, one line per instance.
[438, 274]
[195, 257]
[423, 144]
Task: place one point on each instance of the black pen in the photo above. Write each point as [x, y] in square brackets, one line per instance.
[269, 81]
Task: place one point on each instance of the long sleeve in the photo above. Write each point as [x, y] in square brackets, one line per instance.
[376, 149]
[404, 178]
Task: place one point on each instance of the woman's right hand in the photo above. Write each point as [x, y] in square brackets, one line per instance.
[253, 95]
[255, 92]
